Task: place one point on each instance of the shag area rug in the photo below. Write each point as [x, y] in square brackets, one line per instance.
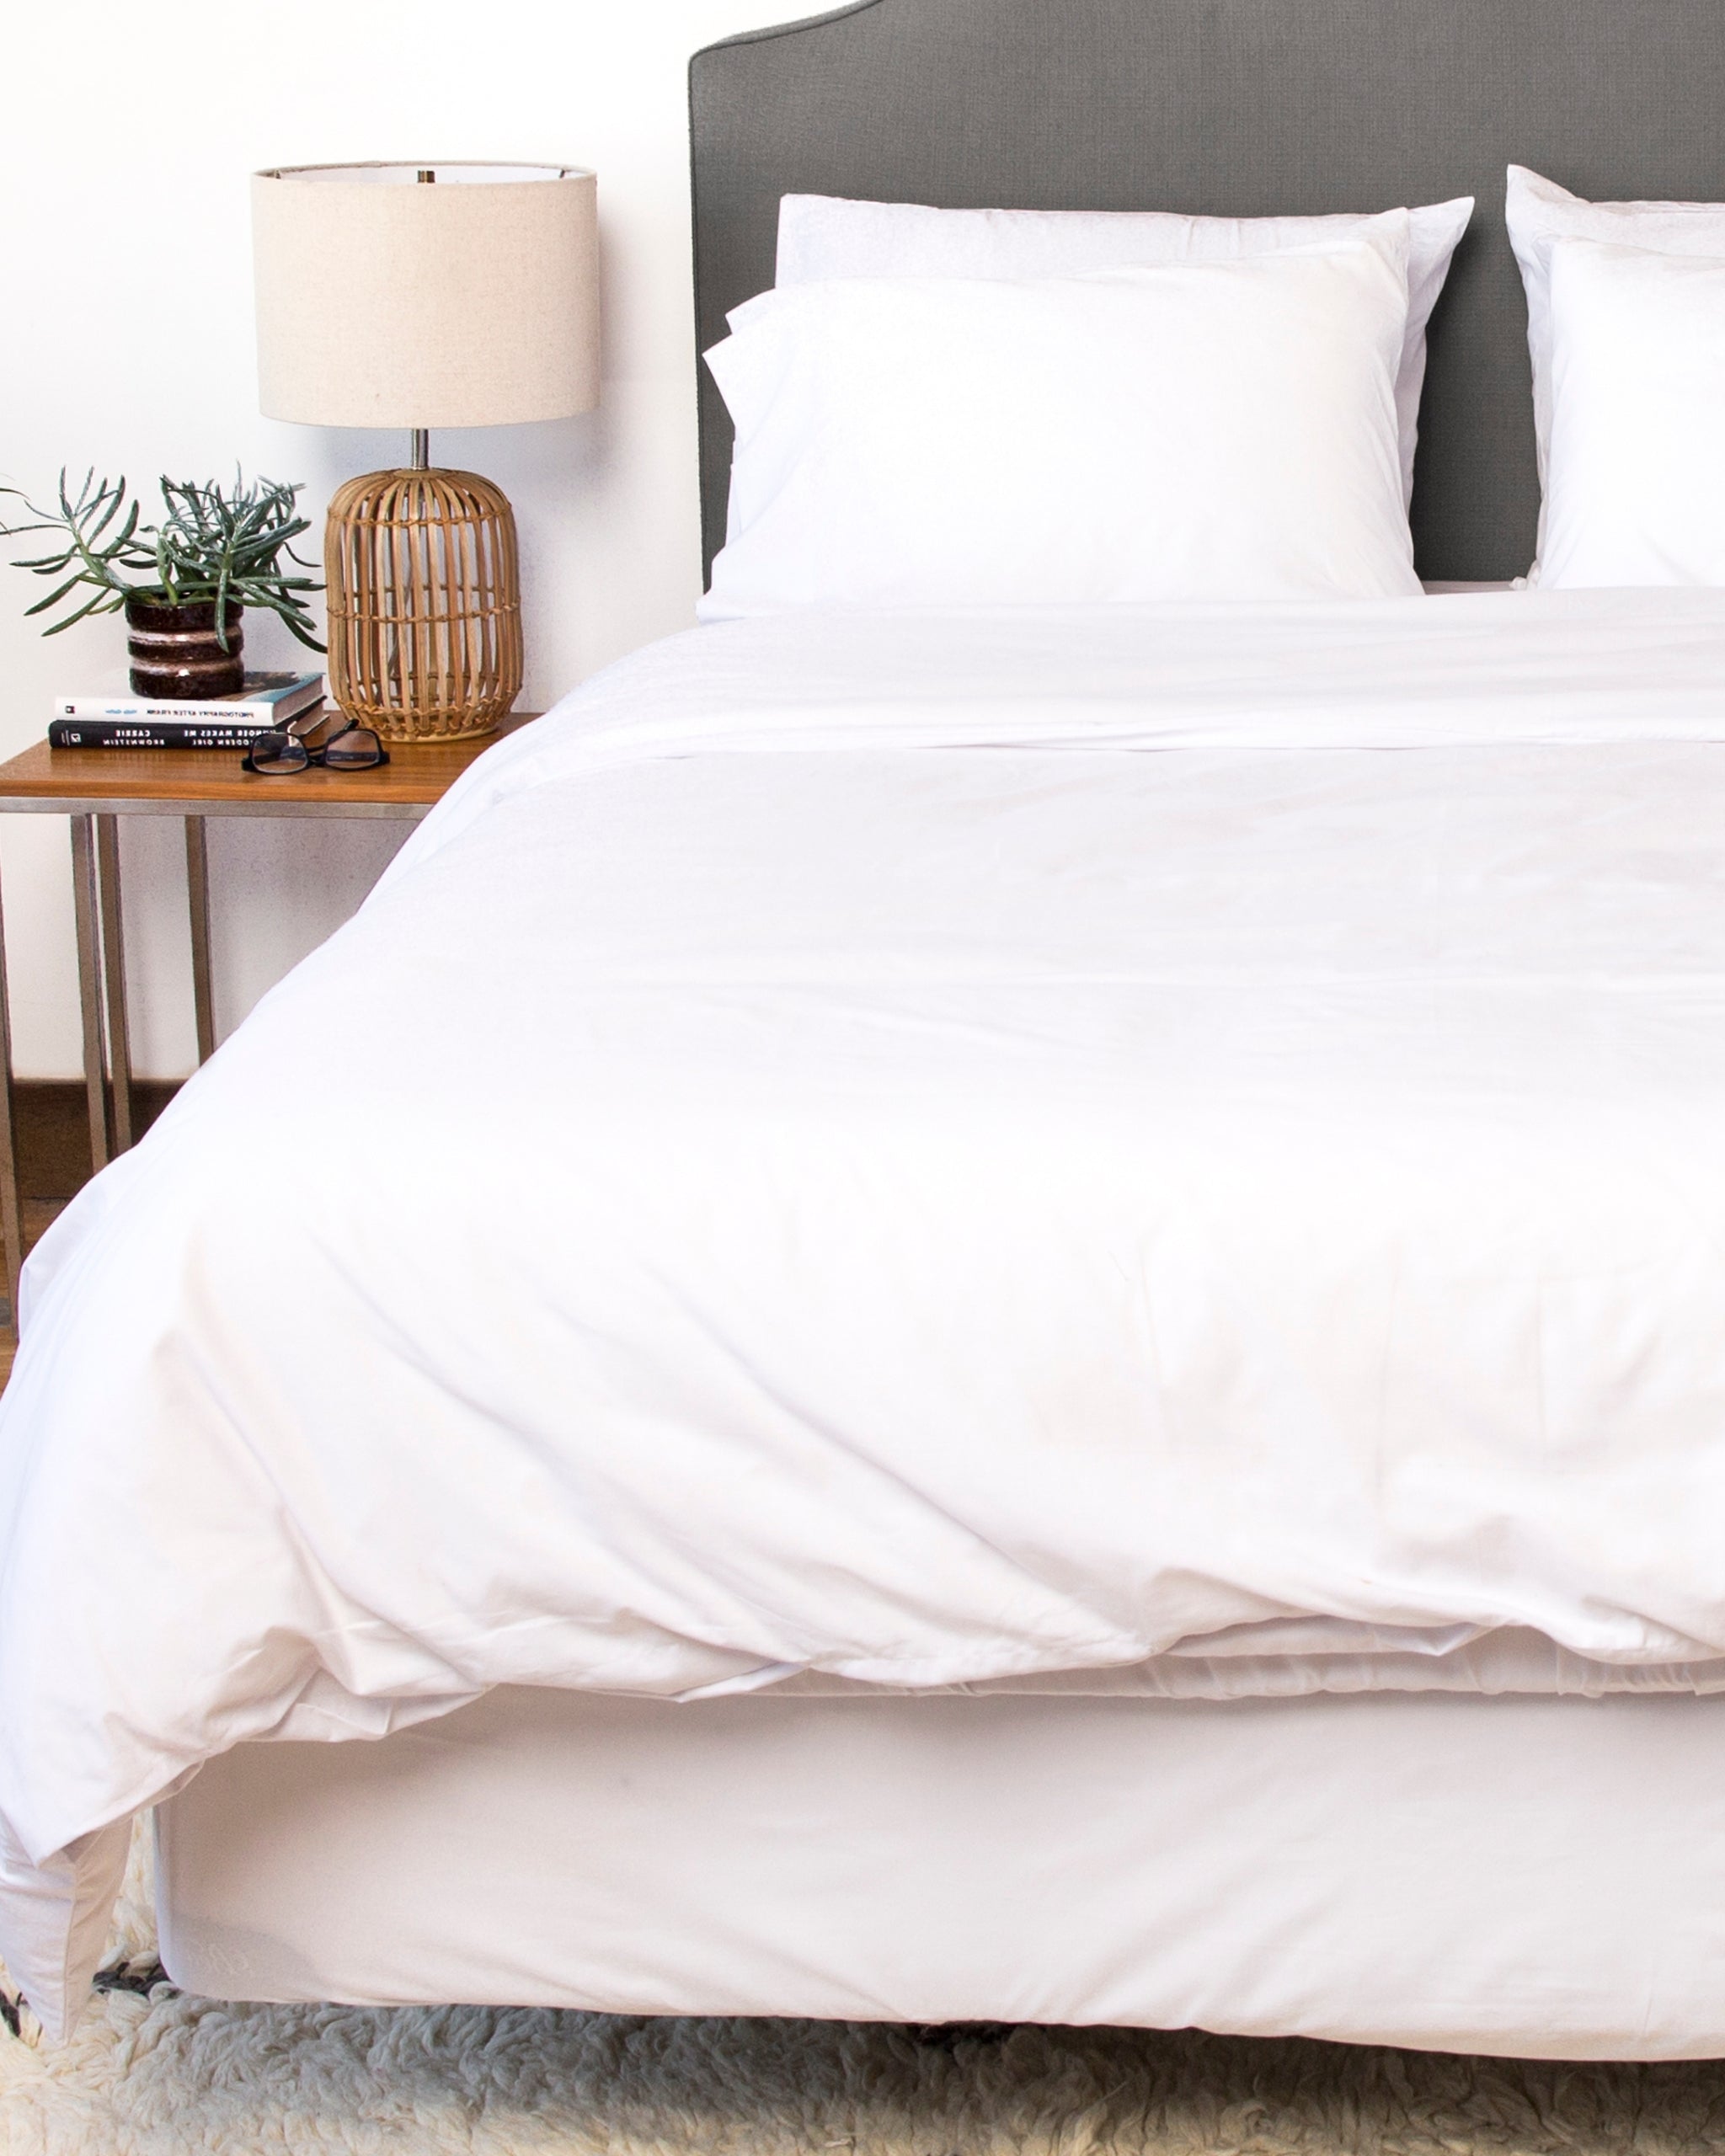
[152, 2073]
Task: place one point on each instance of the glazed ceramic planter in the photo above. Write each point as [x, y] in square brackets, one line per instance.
[175, 651]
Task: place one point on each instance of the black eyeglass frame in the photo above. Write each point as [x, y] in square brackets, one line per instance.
[288, 741]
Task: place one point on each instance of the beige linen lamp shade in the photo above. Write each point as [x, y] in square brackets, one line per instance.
[386, 301]
[422, 296]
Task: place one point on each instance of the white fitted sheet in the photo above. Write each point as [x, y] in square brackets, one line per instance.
[922, 1151]
[1538, 1878]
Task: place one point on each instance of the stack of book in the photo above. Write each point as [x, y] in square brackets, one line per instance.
[115, 718]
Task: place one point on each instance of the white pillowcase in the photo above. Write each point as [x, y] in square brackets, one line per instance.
[1210, 431]
[1540, 213]
[1636, 456]
[822, 236]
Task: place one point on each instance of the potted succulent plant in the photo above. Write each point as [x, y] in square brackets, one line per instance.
[184, 583]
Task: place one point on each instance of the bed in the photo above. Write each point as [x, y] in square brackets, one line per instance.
[967, 1315]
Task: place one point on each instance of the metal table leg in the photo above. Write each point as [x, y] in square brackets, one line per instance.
[197, 888]
[114, 967]
[11, 1210]
[89, 983]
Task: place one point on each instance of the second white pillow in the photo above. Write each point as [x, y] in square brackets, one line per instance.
[1205, 431]
[1635, 473]
[1541, 217]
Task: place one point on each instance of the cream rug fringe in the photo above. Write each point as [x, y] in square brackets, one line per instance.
[165, 2075]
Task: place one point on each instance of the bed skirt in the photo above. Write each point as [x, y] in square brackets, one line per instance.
[1530, 1877]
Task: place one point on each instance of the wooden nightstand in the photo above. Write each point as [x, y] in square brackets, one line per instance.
[97, 787]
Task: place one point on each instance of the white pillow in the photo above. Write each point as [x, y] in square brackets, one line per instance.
[1635, 457]
[1210, 431]
[1539, 214]
[822, 236]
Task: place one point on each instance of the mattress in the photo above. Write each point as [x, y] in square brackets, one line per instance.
[1164, 1149]
[1529, 1877]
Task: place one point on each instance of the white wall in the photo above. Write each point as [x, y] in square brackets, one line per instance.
[126, 342]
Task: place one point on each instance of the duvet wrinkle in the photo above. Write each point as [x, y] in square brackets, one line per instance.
[830, 1432]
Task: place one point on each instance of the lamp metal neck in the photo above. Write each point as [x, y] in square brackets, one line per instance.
[419, 454]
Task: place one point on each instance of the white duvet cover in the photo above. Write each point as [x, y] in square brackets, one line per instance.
[923, 1150]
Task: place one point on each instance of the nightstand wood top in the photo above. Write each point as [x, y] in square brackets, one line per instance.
[209, 782]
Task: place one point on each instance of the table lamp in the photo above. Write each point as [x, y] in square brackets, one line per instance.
[422, 296]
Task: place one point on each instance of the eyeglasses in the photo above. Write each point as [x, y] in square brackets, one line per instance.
[282, 752]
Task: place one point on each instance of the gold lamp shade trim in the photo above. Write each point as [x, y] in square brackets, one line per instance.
[425, 604]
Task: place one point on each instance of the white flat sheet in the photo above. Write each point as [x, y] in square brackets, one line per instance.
[837, 1153]
[1536, 1878]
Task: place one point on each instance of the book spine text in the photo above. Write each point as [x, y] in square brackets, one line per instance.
[153, 733]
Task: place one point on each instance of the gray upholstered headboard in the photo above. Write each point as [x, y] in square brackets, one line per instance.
[1240, 108]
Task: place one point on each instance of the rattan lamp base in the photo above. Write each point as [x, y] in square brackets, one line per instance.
[425, 604]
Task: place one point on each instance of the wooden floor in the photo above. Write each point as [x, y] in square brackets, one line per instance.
[54, 1158]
